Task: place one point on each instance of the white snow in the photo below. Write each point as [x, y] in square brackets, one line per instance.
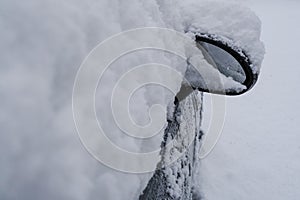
[228, 20]
[214, 80]
[42, 44]
[190, 114]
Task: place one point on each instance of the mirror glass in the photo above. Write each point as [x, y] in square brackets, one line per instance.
[223, 61]
[216, 67]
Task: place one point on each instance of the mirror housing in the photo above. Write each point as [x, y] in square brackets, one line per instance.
[238, 54]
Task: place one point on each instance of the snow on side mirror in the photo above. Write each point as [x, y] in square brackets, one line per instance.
[233, 66]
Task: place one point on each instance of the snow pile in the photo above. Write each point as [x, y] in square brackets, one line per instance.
[231, 21]
[42, 45]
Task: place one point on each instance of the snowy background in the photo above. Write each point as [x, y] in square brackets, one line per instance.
[42, 44]
[258, 154]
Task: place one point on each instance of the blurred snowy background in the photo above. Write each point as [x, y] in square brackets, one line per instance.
[42, 44]
[258, 154]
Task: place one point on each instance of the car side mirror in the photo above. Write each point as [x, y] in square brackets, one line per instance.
[229, 61]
